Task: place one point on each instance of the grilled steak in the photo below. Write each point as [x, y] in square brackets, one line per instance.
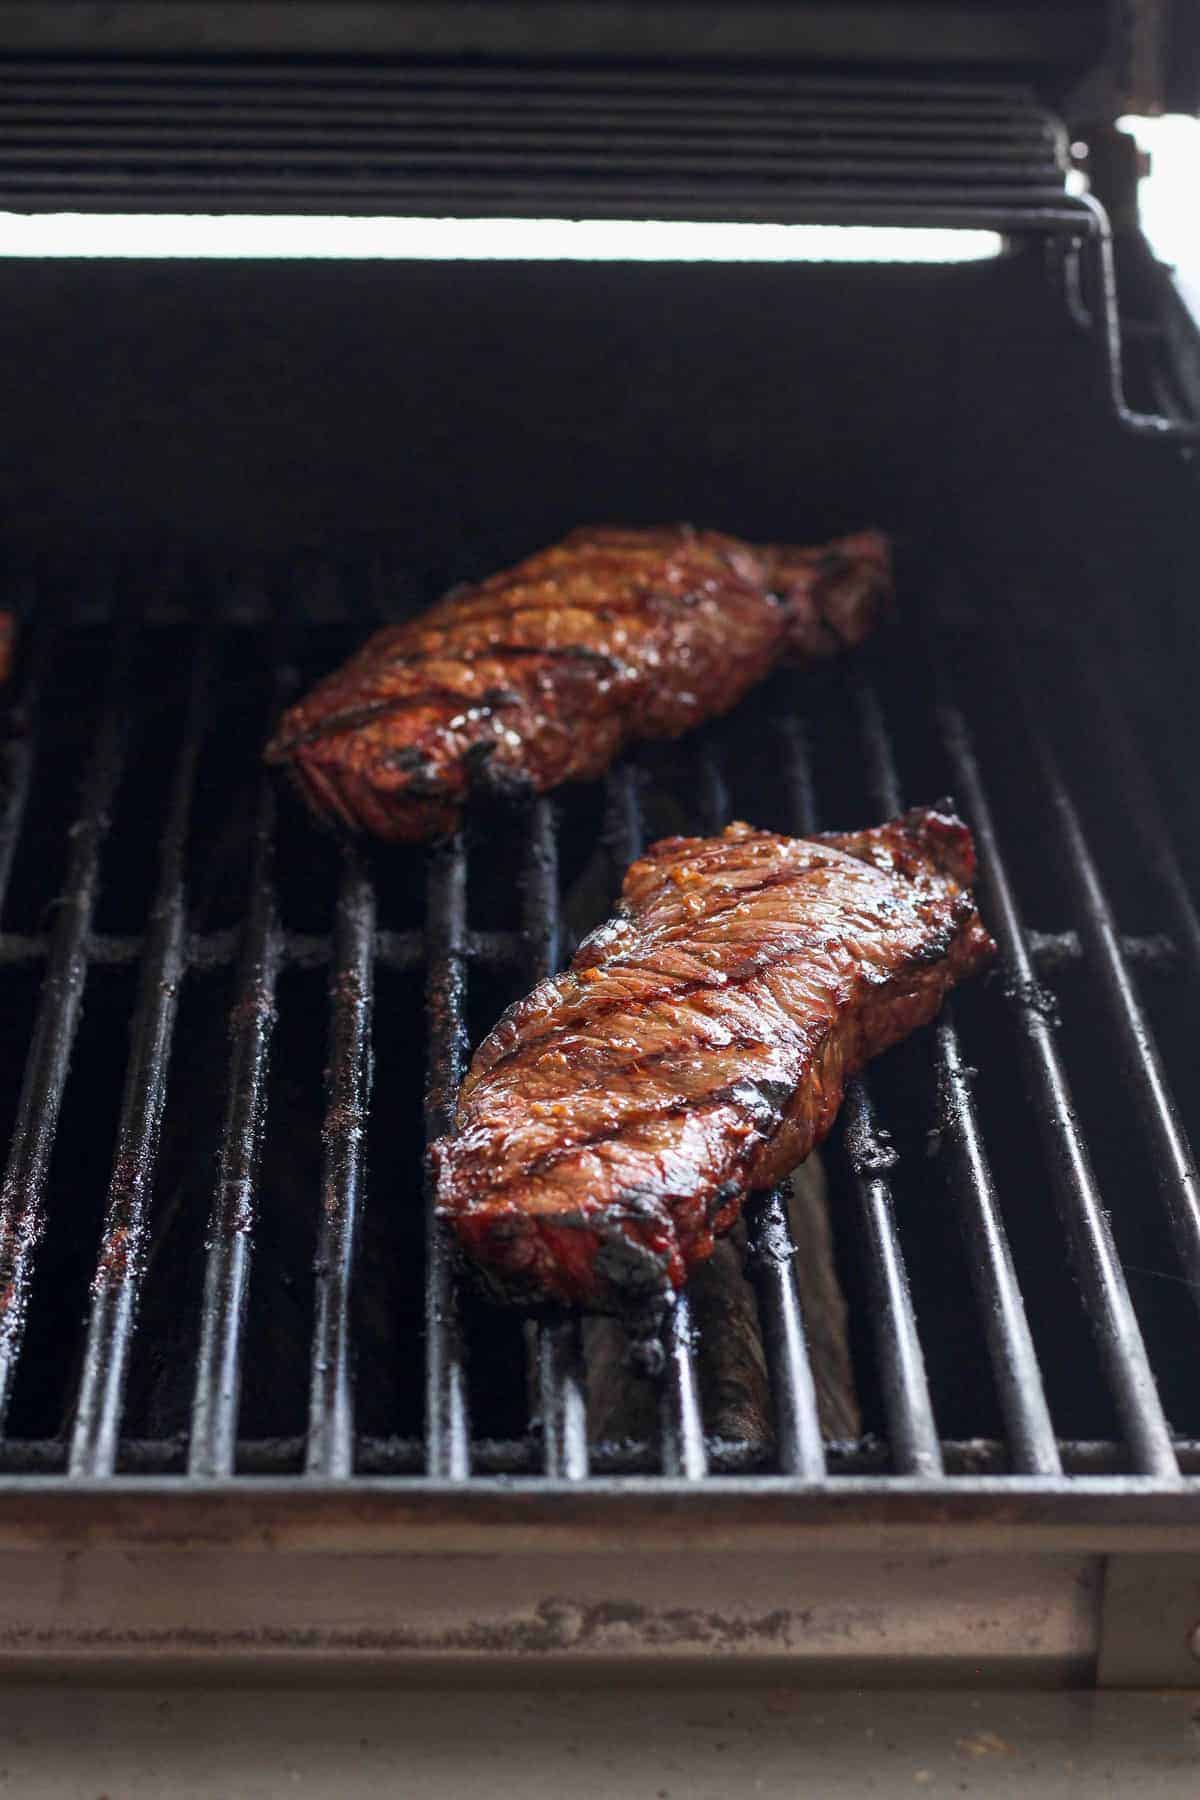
[697, 1048]
[541, 675]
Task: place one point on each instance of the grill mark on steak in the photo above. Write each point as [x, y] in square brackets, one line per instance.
[873, 948]
[684, 989]
[365, 714]
[611, 1074]
[748, 1093]
[615, 606]
[667, 627]
[775, 1092]
[499, 652]
[371, 710]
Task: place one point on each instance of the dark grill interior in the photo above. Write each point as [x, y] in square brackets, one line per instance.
[1005, 1219]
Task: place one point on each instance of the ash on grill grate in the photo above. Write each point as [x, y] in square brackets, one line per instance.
[263, 1307]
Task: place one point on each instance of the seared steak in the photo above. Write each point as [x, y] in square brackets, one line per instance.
[541, 675]
[697, 1048]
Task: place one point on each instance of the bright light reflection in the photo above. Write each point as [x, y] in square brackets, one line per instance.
[479, 240]
[1169, 196]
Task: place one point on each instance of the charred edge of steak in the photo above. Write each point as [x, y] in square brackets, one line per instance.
[494, 777]
[348, 803]
[632, 1280]
[836, 596]
[925, 841]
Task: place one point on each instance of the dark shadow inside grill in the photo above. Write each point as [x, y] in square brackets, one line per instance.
[39, 866]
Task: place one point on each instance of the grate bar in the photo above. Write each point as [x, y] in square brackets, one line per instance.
[912, 1429]
[205, 951]
[405, 1457]
[1118, 1335]
[22, 1194]
[563, 1400]
[541, 921]
[771, 1259]
[1171, 1152]
[1055, 950]
[1015, 1367]
[116, 1284]
[19, 750]
[1141, 806]
[681, 1424]
[331, 1400]
[560, 1372]
[770, 1251]
[230, 1238]
[1014, 1360]
[447, 1427]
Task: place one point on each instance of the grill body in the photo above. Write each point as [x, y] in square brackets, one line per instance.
[244, 1397]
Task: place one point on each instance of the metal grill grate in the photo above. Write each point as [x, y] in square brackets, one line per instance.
[152, 1378]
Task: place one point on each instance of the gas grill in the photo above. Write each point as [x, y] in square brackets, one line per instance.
[246, 1405]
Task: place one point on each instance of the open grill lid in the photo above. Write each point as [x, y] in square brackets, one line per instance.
[868, 112]
[506, 139]
[1115, 55]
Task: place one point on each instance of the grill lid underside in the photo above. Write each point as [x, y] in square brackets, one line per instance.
[1095, 58]
[509, 139]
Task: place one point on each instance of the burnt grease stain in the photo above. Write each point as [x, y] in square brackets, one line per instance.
[557, 1625]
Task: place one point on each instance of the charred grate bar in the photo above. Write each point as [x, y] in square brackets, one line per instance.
[447, 1425]
[1156, 952]
[752, 1460]
[118, 1267]
[419, 949]
[231, 1224]
[560, 1375]
[331, 1406]
[22, 1195]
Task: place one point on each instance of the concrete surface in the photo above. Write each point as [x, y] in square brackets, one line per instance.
[71, 1742]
